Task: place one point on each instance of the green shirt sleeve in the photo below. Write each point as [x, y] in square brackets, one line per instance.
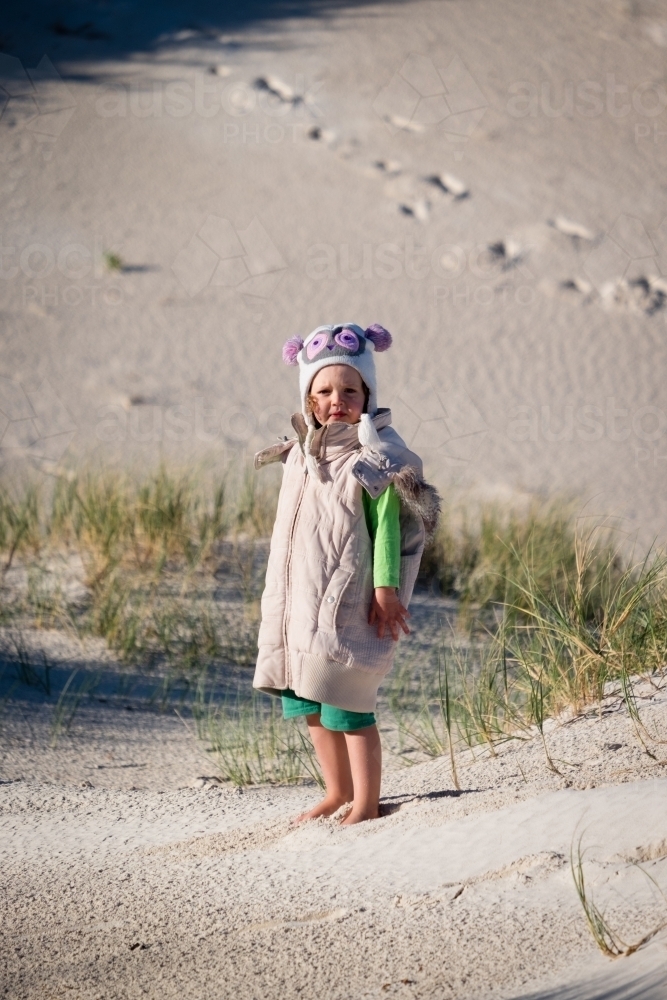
[383, 523]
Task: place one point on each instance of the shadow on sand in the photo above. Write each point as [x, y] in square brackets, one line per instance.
[83, 33]
[623, 981]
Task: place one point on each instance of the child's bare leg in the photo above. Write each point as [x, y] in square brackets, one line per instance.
[365, 755]
[331, 750]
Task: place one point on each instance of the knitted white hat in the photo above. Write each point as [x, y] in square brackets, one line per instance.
[341, 344]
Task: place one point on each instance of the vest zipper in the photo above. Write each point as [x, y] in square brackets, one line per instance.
[288, 581]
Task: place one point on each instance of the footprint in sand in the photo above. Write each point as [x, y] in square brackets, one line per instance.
[643, 294]
[319, 134]
[581, 286]
[450, 185]
[278, 88]
[640, 294]
[574, 230]
[507, 252]
[419, 209]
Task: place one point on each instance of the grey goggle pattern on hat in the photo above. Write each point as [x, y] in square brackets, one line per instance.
[334, 342]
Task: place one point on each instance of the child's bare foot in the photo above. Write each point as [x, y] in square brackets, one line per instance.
[359, 816]
[327, 807]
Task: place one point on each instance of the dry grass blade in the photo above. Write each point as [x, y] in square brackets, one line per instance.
[538, 714]
[607, 940]
[25, 669]
[446, 712]
[630, 700]
[68, 704]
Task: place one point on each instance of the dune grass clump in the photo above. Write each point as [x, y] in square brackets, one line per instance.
[509, 549]
[19, 522]
[116, 520]
[253, 744]
[570, 630]
[153, 549]
[113, 261]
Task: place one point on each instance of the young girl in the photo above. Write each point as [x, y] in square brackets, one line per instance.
[352, 519]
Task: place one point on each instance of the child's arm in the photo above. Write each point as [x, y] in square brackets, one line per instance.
[383, 520]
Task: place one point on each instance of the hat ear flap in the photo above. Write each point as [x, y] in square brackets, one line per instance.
[291, 348]
[379, 337]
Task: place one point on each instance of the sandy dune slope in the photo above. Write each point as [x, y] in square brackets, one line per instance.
[486, 179]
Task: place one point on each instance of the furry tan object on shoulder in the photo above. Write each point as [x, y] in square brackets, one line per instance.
[419, 497]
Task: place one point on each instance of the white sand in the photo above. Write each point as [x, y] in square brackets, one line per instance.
[170, 891]
[123, 879]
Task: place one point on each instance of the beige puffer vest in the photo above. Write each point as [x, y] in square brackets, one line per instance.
[314, 636]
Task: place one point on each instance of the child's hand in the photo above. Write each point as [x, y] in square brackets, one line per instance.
[387, 611]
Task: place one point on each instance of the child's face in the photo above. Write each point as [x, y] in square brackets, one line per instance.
[337, 395]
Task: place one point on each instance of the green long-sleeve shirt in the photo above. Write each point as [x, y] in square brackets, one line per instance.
[382, 520]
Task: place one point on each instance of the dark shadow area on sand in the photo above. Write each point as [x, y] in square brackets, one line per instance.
[621, 983]
[86, 32]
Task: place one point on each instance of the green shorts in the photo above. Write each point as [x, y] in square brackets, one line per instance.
[331, 717]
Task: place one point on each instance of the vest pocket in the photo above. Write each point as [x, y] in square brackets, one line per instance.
[331, 600]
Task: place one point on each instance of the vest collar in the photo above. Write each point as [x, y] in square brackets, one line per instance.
[335, 440]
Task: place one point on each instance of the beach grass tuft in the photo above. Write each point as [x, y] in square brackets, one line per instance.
[569, 632]
[253, 744]
[155, 549]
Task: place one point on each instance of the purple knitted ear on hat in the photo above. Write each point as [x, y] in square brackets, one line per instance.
[378, 336]
[291, 348]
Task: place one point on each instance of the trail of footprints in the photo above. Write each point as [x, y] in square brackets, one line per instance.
[424, 197]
